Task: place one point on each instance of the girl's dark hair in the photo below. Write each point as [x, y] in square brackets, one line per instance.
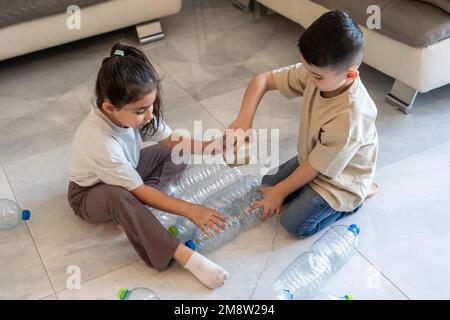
[127, 78]
[333, 40]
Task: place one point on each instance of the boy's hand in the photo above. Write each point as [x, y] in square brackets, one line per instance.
[271, 202]
[231, 138]
[206, 218]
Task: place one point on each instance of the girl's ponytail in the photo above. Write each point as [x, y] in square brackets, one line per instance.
[127, 76]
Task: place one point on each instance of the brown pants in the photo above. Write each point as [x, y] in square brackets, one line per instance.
[103, 202]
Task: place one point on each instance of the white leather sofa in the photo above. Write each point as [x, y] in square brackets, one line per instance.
[415, 69]
[51, 30]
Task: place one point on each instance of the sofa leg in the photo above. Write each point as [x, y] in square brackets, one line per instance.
[149, 31]
[401, 96]
[244, 5]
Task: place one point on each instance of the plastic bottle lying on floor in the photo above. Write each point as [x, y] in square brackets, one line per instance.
[331, 296]
[309, 271]
[191, 177]
[11, 214]
[137, 294]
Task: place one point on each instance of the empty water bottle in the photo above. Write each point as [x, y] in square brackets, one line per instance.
[249, 218]
[214, 183]
[184, 228]
[166, 219]
[192, 176]
[234, 191]
[309, 271]
[331, 296]
[11, 214]
[137, 294]
[216, 240]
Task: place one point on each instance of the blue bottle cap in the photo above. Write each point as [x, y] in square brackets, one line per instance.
[26, 214]
[286, 294]
[190, 244]
[354, 228]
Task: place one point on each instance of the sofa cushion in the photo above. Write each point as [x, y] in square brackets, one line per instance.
[415, 23]
[15, 11]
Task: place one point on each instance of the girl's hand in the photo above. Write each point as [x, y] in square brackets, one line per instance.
[206, 219]
[271, 202]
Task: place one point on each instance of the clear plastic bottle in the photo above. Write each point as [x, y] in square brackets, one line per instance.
[216, 240]
[234, 191]
[183, 228]
[249, 218]
[137, 294]
[11, 214]
[166, 219]
[192, 177]
[331, 296]
[309, 271]
[216, 182]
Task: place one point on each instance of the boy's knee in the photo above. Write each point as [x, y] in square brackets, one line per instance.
[299, 231]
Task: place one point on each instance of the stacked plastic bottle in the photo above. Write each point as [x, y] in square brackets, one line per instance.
[228, 190]
[137, 294]
[11, 214]
[191, 177]
[308, 272]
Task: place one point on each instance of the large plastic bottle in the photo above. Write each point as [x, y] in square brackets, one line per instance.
[218, 181]
[191, 177]
[206, 244]
[137, 294]
[183, 228]
[249, 218]
[11, 214]
[308, 272]
[166, 219]
[231, 193]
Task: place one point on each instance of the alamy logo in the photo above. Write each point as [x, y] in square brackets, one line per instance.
[374, 20]
[73, 22]
[74, 279]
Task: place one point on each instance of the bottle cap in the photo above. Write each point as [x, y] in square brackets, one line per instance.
[354, 228]
[173, 230]
[26, 214]
[123, 293]
[190, 244]
[286, 294]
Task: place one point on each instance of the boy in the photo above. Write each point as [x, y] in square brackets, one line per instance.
[337, 147]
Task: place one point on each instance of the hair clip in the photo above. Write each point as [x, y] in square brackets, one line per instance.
[119, 53]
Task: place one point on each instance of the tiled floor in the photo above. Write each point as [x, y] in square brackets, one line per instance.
[210, 53]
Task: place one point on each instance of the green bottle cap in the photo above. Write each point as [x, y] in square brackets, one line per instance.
[123, 294]
[173, 230]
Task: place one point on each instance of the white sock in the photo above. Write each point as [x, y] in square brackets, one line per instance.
[209, 273]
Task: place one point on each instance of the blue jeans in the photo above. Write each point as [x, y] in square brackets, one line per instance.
[304, 211]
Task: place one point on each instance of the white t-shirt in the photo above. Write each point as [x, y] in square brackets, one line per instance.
[104, 152]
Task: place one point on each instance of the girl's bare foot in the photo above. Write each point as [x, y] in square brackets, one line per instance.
[373, 190]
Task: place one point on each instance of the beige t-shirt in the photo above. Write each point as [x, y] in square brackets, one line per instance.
[336, 135]
[105, 152]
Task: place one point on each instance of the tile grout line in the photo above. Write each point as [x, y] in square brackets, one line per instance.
[101, 275]
[32, 238]
[266, 264]
[384, 276]
[379, 271]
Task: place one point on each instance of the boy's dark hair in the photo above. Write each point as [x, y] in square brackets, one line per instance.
[127, 78]
[334, 40]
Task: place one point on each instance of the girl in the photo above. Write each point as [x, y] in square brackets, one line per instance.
[112, 178]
